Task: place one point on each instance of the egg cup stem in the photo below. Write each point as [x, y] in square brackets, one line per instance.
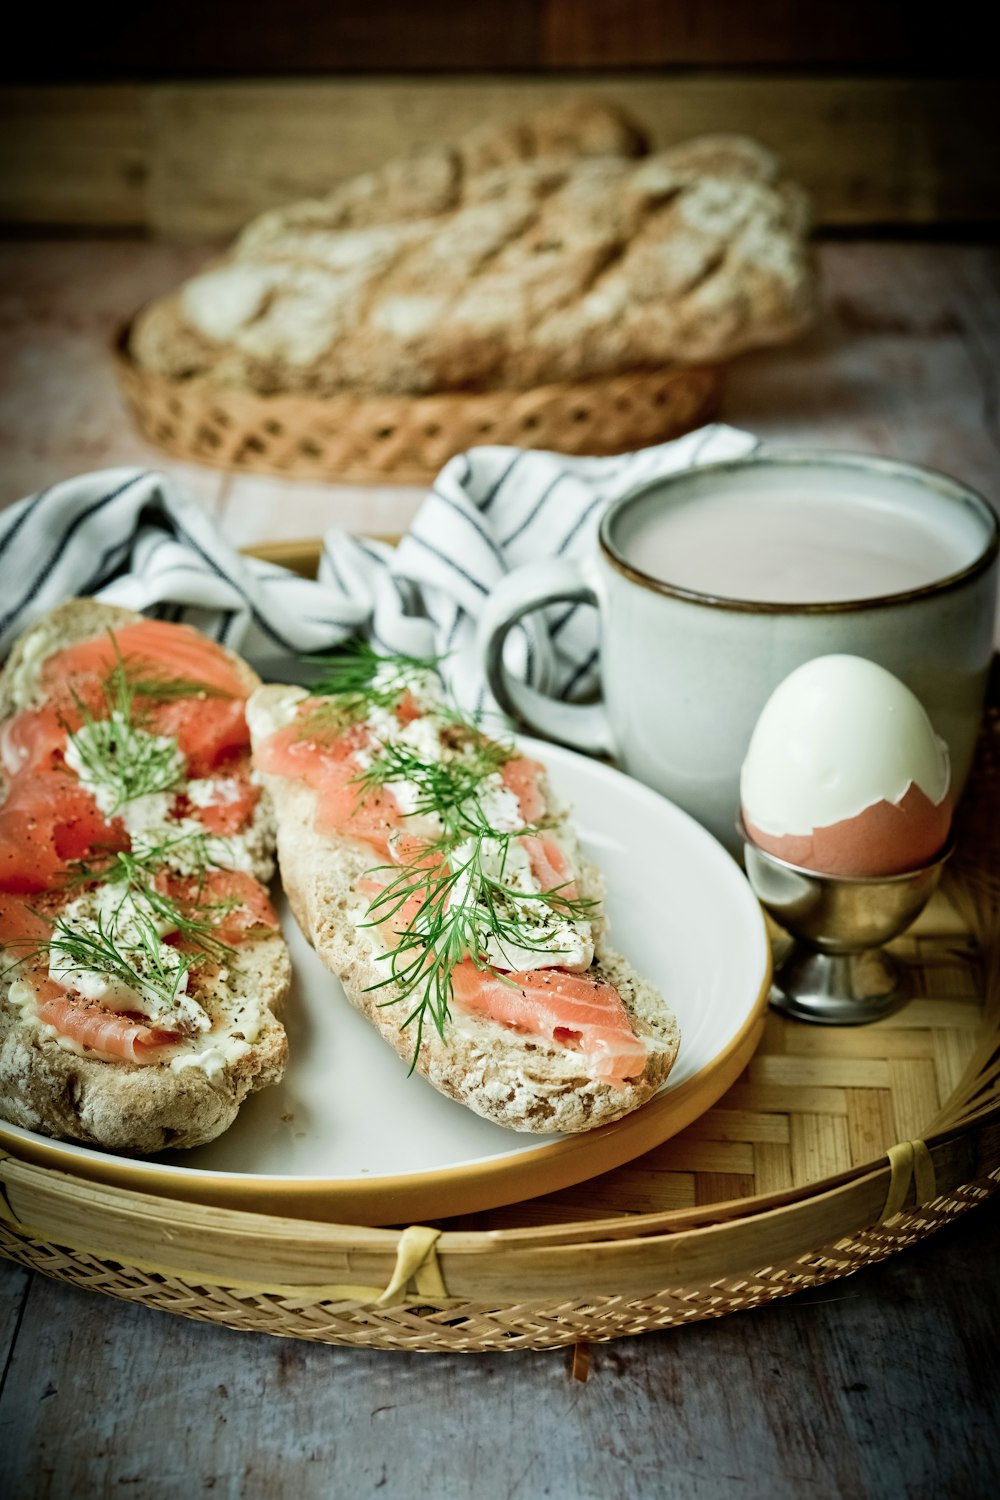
[837, 971]
[839, 989]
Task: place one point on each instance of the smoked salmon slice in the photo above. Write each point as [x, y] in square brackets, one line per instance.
[207, 727]
[327, 761]
[549, 865]
[21, 929]
[232, 900]
[415, 854]
[303, 750]
[521, 776]
[34, 740]
[208, 731]
[327, 764]
[577, 1010]
[47, 821]
[398, 918]
[234, 812]
[150, 647]
[49, 818]
[115, 1036]
[371, 817]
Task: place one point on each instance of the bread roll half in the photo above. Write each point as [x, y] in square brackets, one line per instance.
[518, 1080]
[52, 1084]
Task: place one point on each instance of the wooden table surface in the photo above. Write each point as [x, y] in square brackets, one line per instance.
[883, 1385]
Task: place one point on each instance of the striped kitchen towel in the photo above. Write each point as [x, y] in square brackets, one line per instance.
[137, 538]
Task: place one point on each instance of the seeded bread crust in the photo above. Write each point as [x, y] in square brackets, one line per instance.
[140, 1108]
[545, 251]
[521, 1082]
[122, 1105]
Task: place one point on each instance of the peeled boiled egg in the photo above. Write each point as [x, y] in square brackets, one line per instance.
[845, 774]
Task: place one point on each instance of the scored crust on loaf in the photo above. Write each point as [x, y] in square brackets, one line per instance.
[546, 251]
[518, 1081]
[123, 1105]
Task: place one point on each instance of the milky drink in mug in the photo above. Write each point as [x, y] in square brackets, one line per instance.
[712, 585]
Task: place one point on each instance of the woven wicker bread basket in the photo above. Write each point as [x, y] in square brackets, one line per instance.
[406, 439]
[836, 1148]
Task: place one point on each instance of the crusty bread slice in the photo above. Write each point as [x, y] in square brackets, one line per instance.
[77, 620]
[519, 1081]
[145, 1108]
[44, 1086]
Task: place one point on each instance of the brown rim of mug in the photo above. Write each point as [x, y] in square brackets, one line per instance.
[943, 484]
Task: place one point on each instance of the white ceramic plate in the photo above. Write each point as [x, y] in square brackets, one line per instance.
[347, 1135]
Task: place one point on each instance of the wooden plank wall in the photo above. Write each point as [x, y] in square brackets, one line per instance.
[198, 159]
[183, 119]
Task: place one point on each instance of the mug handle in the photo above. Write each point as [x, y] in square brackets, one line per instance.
[581, 726]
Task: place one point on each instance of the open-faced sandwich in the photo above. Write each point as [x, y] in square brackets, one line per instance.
[141, 967]
[435, 874]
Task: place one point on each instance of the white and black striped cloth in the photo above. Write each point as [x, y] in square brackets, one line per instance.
[136, 538]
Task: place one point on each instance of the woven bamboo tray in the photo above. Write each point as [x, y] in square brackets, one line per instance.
[836, 1148]
[406, 439]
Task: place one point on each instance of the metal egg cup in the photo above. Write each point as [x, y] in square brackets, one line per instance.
[836, 971]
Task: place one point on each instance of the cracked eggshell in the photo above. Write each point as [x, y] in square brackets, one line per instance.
[845, 774]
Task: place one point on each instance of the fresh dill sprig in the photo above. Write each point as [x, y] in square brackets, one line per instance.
[141, 965]
[147, 681]
[361, 679]
[149, 854]
[125, 944]
[450, 789]
[115, 753]
[458, 906]
[455, 897]
[429, 947]
[135, 873]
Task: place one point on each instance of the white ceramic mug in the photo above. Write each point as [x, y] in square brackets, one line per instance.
[685, 673]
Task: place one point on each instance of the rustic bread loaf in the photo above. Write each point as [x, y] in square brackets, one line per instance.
[518, 1080]
[122, 1104]
[545, 252]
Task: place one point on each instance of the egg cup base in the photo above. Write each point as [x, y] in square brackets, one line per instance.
[839, 989]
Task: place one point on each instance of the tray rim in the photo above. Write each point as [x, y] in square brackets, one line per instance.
[963, 1144]
[832, 1229]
